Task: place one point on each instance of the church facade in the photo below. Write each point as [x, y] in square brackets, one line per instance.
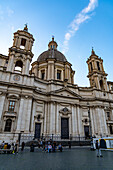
[45, 102]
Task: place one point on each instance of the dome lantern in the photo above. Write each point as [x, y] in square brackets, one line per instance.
[52, 44]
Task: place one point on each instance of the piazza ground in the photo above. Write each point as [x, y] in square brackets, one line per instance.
[67, 160]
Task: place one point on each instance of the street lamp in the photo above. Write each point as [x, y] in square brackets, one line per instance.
[90, 129]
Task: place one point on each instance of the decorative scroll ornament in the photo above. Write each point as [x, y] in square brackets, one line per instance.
[65, 111]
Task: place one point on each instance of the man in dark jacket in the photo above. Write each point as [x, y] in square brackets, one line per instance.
[98, 149]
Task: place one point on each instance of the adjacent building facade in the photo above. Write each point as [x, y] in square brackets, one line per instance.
[44, 101]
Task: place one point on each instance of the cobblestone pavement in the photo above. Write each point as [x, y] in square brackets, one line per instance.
[73, 159]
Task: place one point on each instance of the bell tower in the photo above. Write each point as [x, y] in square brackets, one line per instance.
[20, 54]
[97, 75]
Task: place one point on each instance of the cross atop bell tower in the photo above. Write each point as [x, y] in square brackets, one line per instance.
[96, 75]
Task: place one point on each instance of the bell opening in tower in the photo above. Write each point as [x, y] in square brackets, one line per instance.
[23, 43]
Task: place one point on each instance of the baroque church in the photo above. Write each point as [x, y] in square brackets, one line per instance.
[44, 101]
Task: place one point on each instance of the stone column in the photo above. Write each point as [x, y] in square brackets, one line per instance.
[36, 70]
[104, 122]
[105, 84]
[32, 117]
[55, 73]
[48, 118]
[93, 65]
[52, 118]
[62, 78]
[28, 115]
[66, 72]
[20, 116]
[69, 75]
[49, 71]
[19, 42]
[45, 74]
[98, 121]
[102, 66]
[92, 121]
[52, 70]
[57, 120]
[2, 100]
[79, 121]
[29, 45]
[27, 64]
[95, 115]
[10, 63]
[97, 82]
[76, 121]
[45, 119]
[39, 73]
[73, 121]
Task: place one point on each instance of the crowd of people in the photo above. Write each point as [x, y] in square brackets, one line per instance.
[47, 146]
[11, 147]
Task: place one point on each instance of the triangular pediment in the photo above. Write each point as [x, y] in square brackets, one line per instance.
[65, 92]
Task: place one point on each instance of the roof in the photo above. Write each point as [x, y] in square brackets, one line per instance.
[53, 54]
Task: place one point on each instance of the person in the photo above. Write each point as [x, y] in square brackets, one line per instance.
[98, 149]
[5, 146]
[60, 147]
[13, 148]
[53, 148]
[8, 147]
[46, 147]
[2, 145]
[44, 144]
[41, 143]
[32, 147]
[23, 144]
[16, 147]
[49, 148]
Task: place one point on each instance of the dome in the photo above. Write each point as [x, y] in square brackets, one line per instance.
[51, 53]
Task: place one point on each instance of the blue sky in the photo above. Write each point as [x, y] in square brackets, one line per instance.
[60, 18]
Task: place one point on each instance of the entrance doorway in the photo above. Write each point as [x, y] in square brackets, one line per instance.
[86, 131]
[64, 128]
[37, 130]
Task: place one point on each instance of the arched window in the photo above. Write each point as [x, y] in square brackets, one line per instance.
[98, 65]
[42, 74]
[18, 66]
[23, 43]
[91, 66]
[8, 125]
[101, 85]
[59, 74]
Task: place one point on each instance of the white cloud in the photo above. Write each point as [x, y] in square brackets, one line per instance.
[4, 12]
[9, 11]
[84, 15]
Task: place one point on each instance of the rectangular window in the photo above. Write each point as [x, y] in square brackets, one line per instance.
[11, 106]
[6, 61]
[58, 74]
[111, 129]
[108, 115]
[23, 42]
[98, 66]
[42, 74]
